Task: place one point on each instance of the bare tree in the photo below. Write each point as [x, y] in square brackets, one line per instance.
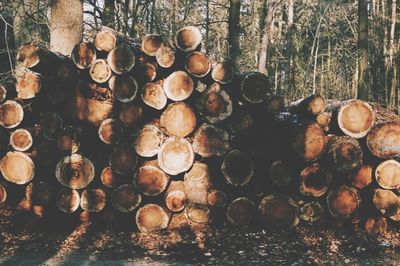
[262, 63]
[364, 90]
[234, 30]
[108, 16]
[26, 25]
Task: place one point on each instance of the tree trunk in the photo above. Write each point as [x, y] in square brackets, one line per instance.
[364, 90]
[234, 29]
[66, 25]
[262, 63]
[108, 16]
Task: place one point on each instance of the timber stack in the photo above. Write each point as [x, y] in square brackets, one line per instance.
[146, 132]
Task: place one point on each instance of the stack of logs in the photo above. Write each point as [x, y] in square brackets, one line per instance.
[157, 131]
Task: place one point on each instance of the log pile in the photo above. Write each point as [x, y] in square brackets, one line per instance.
[146, 133]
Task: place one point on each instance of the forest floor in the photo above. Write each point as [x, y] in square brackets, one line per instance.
[25, 240]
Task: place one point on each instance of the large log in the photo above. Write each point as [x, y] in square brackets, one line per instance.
[152, 217]
[110, 131]
[343, 201]
[278, 211]
[124, 88]
[310, 106]
[197, 183]
[83, 55]
[255, 87]
[314, 181]
[241, 211]
[75, 171]
[68, 200]
[178, 86]
[387, 174]
[151, 43]
[107, 39]
[93, 200]
[153, 95]
[125, 199]
[17, 167]
[188, 39]
[175, 197]
[11, 114]
[21, 140]
[121, 59]
[28, 85]
[150, 179]
[175, 156]
[197, 64]
[171, 119]
[148, 140]
[210, 140]
[237, 168]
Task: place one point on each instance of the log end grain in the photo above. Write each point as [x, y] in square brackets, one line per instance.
[356, 118]
[125, 199]
[188, 38]
[278, 211]
[17, 167]
[171, 119]
[223, 73]
[343, 201]
[124, 88]
[153, 95]
[21, 140]
[237, 168]
[197, 64]
[175, 156]
[178, 86]
[151, 217]
[93, 200]
[75, 171]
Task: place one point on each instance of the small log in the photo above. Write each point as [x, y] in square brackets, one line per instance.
[110, 131]
[376, 225]
[150, 179]
[343, 153]
[241, 211]
[188, 39]
[311, 212]
[343, 201]
[278, 211]
[130, 114]
[197, 183]
[124, 88]
[165, 56]
[198, 64]
[280, 173]
[121, 59]
[109, 178]
[75, 171]
[237, 168]
[83, 55]
[152, 217]
[148, 140]
[153, 95]
[387, 202]
[123, 159]
[3, 194]
[223, 73]
[68, 140]
[68, 200]
[17, 167]
[178, 86]
[314, 181]
[171, 119]
[198, 213]
[214, 104]
[37, 58]
[175, 156]
[310, 106]
[28, 85]
[125, 199]
[276, 104]
[361, 177]
[100, 71]
[324, 120]
[151, 43]
[255, 87]
[210, 141]
[387, 174]
[21, 140]
[175, 197]
[93, 200]
[11, 114]
[217, 198]
[50, 125]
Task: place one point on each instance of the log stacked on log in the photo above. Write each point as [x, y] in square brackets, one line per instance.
[156, 130]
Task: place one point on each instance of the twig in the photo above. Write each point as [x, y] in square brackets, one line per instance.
[6, 41]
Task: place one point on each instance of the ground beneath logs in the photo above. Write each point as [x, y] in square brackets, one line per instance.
[26, 240]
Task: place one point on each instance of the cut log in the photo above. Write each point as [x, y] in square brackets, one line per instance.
[280, 173]
[255, 87]
[387, 202]
[106, 39]
[75, 171]
[171, 120]
[214, 104]
[343, 153]
[11, 114]
[276, 104]
[314, 181]
[121, 59]
[153, 95]
[197, 183]
[175, 198]
[376, 225]
[124, 87]
[197, 64]
[148, 140]
[210, 141]
[17, 167]
[175, 156]
[93, 200]
[188, 39]
[50, 125]
[83, 55]
[165, 56]
[223, 73]
[37, 58]
[324, 120]
[110, 131]
[198, 213]
[28, 85]
[109, 178]
[311, 212]
[237, 168]
[217, 198]
[152, 217]
[387, 174]
[130, 114]
[21, 140]
[3, 92]
[123, 159]
[278, 211]
[151, 43]
[148, 71]
[150, 179]
[68, 200]
[100, 71]
[241, 211]
[3, 194]
[125, 199]
[178, 86]
[310, 106]
[361, 177]
[68, 140]
[343, 201]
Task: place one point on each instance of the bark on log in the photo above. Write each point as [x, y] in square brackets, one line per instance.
[11, 114]
[178, 86]
[83, 55]
[223, 73]
[37, 58]
[210, 141]
[387, 174]
[343, 201]
[21, 140]
[148, 140]
[100, 71]
[171, 120]
[121, 59]
[93, 200]
[153, 95]
[125, 199]
[197, 64]
[175, 156]
[311, 212]
[17, 167]
[28, 85]
[280, 173]
[278, 211]
[188, 39]
[151, 43]
[255, 87]
[75, 171]
[152, 217]
[197, 183]
[123, 159]
[150, 179]
[124, 88]
[237, 168]
[310, 106]
[241, 211]
[68, 200]
[361, 177]
[175, 197]
[376, 225]
[314, 181]
[110, 131]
